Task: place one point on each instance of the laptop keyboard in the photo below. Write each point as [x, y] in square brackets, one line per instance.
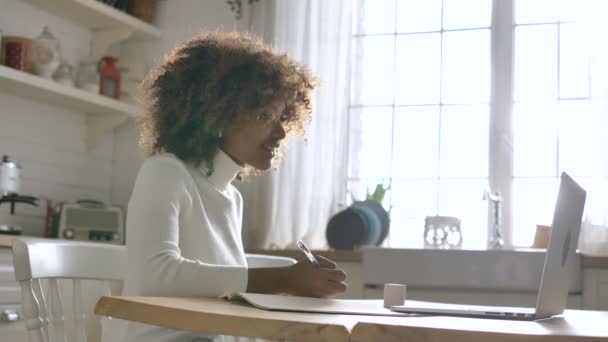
[477, 308]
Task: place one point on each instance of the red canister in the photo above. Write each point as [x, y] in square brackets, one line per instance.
[109, 78]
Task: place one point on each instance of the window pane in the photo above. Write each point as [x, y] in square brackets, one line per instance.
[373, 70]
[582, 10]
[412, 201]
[466, 67]
[582, 139]
[536, 11]
[418, 68]
[599, 67]
[464, 141]
[371, 136]
[459, 14]
[574, 62]
[375, 16]
[535, 140]
[418, 15]
[464, 199]
[544, 11]
[405, 232]
[533, 203]
[415, 148]
[535, 63]
[359, 188]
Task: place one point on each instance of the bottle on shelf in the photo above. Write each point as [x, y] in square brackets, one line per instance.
[109, 78]
[88, 77]
[64, 75]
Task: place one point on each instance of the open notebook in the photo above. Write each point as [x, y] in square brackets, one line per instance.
[306, 304]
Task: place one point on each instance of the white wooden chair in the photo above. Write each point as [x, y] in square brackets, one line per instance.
[40, 262]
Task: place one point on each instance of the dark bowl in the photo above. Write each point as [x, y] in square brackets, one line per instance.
[346, 230]
[374, 225]
[382, 215]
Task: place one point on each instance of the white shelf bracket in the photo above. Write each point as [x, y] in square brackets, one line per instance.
[101, 40]
[99, 125]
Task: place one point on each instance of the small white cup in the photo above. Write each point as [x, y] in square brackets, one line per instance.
[394, 294]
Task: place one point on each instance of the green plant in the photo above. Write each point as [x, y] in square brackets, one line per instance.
[379, 192]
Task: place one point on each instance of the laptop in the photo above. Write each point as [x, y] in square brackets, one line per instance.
[553, 290]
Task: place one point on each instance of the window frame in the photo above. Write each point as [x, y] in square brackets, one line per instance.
[500, 173]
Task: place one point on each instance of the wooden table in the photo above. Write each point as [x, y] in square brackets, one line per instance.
[215, 316]
[573, 326]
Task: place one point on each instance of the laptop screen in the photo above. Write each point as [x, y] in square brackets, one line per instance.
[559, 261]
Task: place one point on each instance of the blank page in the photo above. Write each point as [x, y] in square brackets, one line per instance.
[370, 307]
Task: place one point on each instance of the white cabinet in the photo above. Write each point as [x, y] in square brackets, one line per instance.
[595, 289]
[10, 299]
[354, 279]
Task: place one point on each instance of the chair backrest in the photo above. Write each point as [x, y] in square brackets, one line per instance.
[40, 262]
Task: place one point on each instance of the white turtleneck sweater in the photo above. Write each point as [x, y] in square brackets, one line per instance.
[183, 235]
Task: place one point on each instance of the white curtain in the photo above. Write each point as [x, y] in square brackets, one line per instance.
[297, 200]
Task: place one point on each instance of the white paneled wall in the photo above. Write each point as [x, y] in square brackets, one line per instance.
[127, 160]
[49, 141]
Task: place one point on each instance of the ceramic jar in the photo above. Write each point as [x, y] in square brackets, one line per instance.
[45, 54]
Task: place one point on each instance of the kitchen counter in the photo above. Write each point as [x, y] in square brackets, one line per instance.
[589, 261]
[6, 241]
[595, 261]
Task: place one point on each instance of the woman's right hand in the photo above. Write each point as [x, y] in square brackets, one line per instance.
[303, 279]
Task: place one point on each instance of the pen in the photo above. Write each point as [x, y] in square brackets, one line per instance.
[308, 254]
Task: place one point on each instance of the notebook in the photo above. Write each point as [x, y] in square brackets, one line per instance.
[368, 307]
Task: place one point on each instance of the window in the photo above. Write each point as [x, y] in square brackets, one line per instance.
[557, 122]
[422, 118]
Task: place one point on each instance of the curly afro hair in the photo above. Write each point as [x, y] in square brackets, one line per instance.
[213, 80]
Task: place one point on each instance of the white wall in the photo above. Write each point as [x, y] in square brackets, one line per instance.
[49, 141]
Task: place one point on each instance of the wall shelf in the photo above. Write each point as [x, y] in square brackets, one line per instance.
[104, 113]
[98, 17]
[107, 25]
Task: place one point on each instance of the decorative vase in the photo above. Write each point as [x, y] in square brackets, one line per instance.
[45, 54]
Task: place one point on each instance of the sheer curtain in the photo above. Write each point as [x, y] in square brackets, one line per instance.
[296, 200]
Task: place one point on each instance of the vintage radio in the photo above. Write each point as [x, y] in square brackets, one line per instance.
[91, 221]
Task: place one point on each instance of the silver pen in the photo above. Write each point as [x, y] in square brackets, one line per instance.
[308, 254]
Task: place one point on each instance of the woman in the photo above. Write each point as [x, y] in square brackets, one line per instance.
[217, 108]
